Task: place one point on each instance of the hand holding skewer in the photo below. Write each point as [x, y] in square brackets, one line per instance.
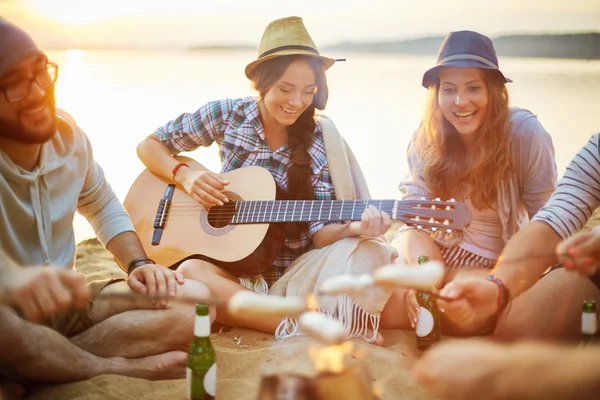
[422, 279]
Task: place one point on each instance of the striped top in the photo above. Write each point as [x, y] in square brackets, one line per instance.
[578, 192]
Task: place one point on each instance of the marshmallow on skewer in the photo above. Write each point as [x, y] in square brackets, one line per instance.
[425, 276]
[341, 284]
[249, 303]
[325, 329]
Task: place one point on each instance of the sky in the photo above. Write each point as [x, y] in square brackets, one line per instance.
[183, 23]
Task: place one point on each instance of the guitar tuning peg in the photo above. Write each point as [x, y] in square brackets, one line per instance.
[448, 231]
[437, 199]
[446, 222]
[448, 208]
[433, 228]
[431, 220]
[419, 227]
[452, 201]
[417, 218]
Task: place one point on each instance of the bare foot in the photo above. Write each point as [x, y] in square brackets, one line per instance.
[170, 365]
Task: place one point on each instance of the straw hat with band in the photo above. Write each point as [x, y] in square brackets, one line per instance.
[464, 49]
[286, 37]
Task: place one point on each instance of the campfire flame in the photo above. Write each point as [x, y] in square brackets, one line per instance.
[312, 303]
[330, 359]
[377, 390]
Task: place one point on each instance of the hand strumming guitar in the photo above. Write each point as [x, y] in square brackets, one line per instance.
[205, 187]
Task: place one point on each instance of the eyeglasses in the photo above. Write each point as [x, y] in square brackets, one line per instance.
[20, 89]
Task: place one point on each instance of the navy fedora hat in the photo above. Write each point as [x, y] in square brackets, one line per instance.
[464, 49]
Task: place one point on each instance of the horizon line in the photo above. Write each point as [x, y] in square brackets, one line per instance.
[240, 46]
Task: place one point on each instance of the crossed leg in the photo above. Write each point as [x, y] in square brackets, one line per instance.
[130, 339]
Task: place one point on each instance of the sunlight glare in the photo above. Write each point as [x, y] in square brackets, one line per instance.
[67, 11]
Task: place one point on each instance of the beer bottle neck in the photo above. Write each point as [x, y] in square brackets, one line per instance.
[202, 326]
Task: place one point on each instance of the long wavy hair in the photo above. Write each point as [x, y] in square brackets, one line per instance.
[300, 133]
[447, 171]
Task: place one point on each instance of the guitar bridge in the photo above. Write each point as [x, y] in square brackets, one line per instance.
[162, 213]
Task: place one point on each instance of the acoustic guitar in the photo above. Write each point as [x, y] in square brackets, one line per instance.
[244, 236]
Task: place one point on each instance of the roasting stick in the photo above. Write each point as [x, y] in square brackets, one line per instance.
[244, 302]
[325, 329]
[248, 303]
[346, 284]
[392, 275]
[420, 278]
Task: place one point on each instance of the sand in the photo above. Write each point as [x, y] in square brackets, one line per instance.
[243, 356]
[240, 367]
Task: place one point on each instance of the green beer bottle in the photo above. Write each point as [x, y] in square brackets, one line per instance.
[201, 374]
[589, 323]
[428, 326]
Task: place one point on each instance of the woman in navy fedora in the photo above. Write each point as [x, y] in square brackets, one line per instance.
[472, 147]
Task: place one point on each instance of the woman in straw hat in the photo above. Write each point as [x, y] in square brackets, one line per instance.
[472, 147]
[276, 130]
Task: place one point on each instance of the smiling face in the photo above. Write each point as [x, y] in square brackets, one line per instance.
[32, 119]
[291, 94]
[463, 98]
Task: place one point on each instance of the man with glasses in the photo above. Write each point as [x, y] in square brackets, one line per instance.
[47, 172]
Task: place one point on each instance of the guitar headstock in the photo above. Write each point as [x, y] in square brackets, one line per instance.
[434, 214]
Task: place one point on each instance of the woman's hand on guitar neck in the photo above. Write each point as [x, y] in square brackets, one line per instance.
[205, 187]
[373, 223]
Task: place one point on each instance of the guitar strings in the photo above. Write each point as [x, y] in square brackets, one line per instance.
[229, 211]
[336, 207]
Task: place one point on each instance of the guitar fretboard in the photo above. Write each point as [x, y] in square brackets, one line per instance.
[266, 211]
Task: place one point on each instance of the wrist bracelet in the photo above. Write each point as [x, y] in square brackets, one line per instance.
[176, 168]
[138, 262]
[503, 295]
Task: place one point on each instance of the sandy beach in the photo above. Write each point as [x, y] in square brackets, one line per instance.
[244, 356]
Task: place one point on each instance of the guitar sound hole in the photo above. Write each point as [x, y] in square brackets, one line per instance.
[220, 216]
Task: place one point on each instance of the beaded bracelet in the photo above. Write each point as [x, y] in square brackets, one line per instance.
[138, 262]
[503, 296]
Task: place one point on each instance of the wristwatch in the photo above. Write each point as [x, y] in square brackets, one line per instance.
[138, 262]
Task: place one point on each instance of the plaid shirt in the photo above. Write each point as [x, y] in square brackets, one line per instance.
[236, 126]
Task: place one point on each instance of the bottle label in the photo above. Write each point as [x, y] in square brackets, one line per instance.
[425, 323]
[188, 384]
[209, 382]
[589, 323]
[202, 326]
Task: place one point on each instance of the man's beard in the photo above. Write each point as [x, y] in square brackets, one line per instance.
[15, 131]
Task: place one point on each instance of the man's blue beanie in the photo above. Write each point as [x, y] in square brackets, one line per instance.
[15, 46]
